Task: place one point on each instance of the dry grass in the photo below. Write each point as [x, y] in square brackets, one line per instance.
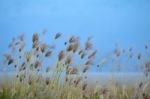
[66, 79]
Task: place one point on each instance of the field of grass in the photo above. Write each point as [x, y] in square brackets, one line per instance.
[39, 87]
[68, 77]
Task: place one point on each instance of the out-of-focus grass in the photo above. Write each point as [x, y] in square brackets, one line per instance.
[53, 90]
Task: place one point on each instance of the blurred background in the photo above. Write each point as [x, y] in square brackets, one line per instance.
[111, 23]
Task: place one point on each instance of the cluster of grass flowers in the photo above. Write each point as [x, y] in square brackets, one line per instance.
[67, 78]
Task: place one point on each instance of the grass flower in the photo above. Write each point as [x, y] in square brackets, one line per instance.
[61, 55]
[21, 37]
[89, 62]
[80, 52]
[77, 81]
[28, 56]
[146, 46]
[58, 35]
[76, 46]
[8, 59]
[68, 60]
[83, 55]
[73, 70]
[117, 52]
[72, 39]
[35, 38]
[147, 68]
[88, 45]
[139, 56]
[86, 67]
[130, 49]
[92, 55]
[48, 53]
[43, 47]
[21, 45]
[65, 43]
[70, 47]
[37, 64]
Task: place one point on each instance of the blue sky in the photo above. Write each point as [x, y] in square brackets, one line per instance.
[110, 22]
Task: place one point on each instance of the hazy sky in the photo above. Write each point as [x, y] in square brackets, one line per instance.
[110, 22]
